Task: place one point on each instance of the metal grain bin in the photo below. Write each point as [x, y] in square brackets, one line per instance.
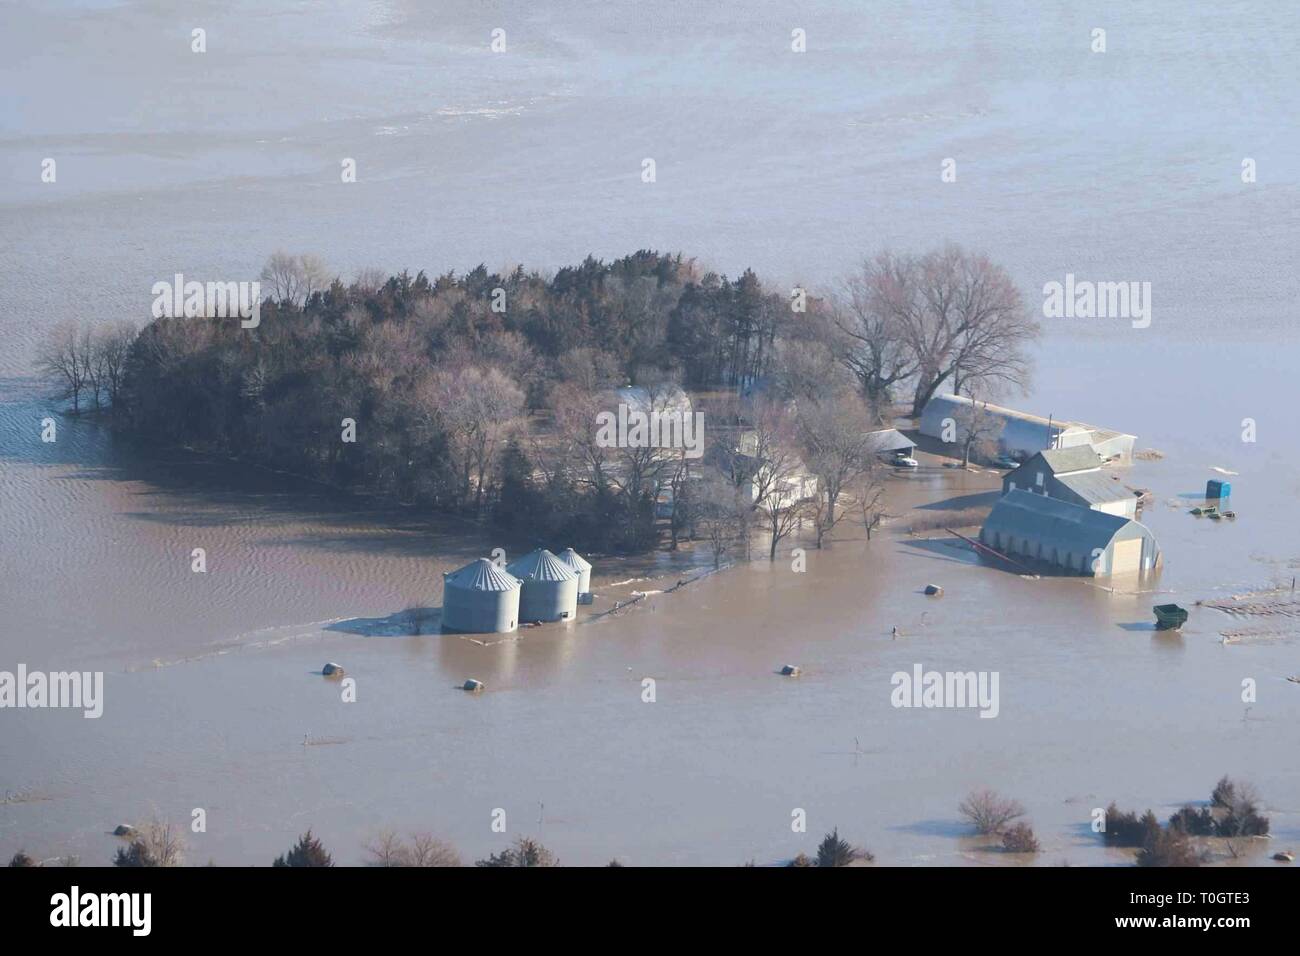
[549, 589]
[480, 598]
[581, 567]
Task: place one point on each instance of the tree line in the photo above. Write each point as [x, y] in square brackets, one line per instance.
[476, 393]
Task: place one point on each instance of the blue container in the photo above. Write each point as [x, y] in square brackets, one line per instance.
[1218, 489]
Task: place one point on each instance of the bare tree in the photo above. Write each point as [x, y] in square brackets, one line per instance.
[874, 310]
[778, 472]
[389, 849]
[977, 430]
[477, 408]
[973, 328]
[988, 812]
[156, 844]
[110, 349]
[64, 359]
[835, 441]
[293, 278]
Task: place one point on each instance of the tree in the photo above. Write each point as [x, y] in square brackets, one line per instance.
[389, 849]
[110, 350]
[1020, 839]
[988, 812]
[977, 430]
[833, 851]
[777, 473]
[294, 278]
[876, 306]
[525, 852]
[837, 449]
[308, 851]
[972, 328]
[21, 859]
[1168, 847]
[64, 358]
[157, 844]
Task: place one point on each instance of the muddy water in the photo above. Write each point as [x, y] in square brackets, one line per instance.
[214, 698]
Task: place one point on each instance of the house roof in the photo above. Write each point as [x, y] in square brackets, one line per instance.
[1095, 487]
[481, 575]
[1057, 523]
[541, 565]
[1076, 458]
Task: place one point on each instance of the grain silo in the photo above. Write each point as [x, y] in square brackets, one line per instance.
[480, 598]
[549, 587]
[581, 567]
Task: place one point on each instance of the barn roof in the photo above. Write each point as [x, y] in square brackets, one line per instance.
[1076, 458]
[1095, 487]
[481, 575]
[541, 565]
[1057, 523]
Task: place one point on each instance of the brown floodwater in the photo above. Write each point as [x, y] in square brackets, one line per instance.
[212, 680]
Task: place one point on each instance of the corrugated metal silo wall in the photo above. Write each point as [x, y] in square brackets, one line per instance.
[549, 600]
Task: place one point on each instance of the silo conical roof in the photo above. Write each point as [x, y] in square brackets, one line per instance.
[541, 565]
[482, 575]
[574, 560]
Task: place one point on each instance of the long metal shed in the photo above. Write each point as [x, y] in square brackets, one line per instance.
[1068, 536]
[549, 589]
[480, 598]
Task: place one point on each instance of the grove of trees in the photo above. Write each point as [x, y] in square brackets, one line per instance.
[476, 393]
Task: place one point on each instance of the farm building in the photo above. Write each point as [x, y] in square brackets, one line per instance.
[1074, 475]
[1018, 433]
[480, 598]
[754, 476]
[1067, 536]
[580, 566]
[889, 443]
[549, 590]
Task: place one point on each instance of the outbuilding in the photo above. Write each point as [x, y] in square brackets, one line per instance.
[1067, 536]
[580, 566]
[1074, 475]
[888, 443]
[1016, 433]
[480, 598]
[549, 587]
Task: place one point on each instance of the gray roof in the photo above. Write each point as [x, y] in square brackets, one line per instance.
[481, 575]
[1059, 523]
[574, 560]
[1095, 487]
[541, 565]
[887, 439]
[1076, 458]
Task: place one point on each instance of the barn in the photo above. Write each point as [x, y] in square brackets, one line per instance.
[1017, 433]
[1074, 475]
[1068, 537]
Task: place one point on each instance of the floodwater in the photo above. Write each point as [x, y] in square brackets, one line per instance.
[1122, 166]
